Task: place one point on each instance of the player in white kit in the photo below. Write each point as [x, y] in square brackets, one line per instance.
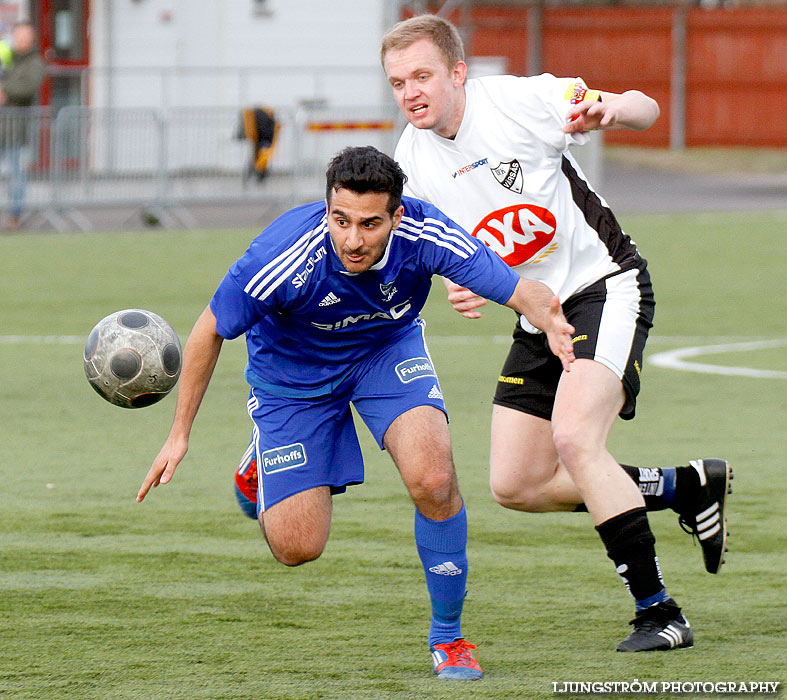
[492, 153]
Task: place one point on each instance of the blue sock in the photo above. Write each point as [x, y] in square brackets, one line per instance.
[442, 546]
[668, 474]
[659, 597]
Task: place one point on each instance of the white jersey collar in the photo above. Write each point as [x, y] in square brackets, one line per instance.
[464, 126]
[379, 265]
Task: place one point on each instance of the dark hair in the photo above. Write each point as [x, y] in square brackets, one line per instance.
[364, 169]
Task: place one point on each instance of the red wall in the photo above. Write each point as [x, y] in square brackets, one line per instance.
[736, 77]
[614, 51]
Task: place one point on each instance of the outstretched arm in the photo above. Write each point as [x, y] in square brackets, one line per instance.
[533, 299]
[199, 359]
[542, 308]
[463, 300]
[629, 110]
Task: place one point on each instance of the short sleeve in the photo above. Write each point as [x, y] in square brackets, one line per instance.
[452, 253]
[235, 311]
[540, 103]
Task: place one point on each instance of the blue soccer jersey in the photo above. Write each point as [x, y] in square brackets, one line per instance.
[308, 322]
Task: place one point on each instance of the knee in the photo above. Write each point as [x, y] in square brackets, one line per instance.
[517, 495]
[435, 486]
[295, 555]
[291, 549]
[571, 447]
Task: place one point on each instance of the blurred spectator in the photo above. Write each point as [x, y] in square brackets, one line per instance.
[19, 85]
[6, 57]
[258, 125]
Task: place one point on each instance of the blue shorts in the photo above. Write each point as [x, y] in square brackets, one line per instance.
[304, 443]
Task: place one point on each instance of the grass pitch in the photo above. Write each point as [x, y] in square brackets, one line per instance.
[104, 598]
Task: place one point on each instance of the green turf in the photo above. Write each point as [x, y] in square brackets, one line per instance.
[104, 598]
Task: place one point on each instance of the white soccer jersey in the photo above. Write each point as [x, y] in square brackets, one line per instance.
[507, 178]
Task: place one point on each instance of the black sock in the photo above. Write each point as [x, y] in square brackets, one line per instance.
[658, 485]
[677, 488]
[631, 546]
[650, 482]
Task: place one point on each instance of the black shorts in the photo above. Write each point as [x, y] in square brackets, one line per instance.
[611, 319]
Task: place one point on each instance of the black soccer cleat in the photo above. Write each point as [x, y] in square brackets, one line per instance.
[660, 627]
[708, 521]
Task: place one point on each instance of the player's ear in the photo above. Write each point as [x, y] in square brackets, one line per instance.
[328, 197]
[397, 217]
[459, 73]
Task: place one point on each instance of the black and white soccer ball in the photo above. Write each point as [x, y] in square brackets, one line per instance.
[132, 358]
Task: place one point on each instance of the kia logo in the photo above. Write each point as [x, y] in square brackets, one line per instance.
[517, 233]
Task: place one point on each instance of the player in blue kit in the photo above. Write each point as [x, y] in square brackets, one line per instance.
[329, 297]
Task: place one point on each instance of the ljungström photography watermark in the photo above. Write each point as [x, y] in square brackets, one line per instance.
[669, 688]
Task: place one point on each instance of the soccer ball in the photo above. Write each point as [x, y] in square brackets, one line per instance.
[132, 358]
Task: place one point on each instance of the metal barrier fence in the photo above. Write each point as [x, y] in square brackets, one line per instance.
[166, 162]
[24, 144]
[323, 132]
[169, 160]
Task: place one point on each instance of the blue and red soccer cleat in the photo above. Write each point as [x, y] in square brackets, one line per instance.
[454, 661]
[246, 487]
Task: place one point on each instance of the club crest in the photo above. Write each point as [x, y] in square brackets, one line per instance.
[509, 174]
[388, 291]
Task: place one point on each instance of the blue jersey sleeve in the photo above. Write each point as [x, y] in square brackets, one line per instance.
[456, 255]
[235, 311]
[252, 288]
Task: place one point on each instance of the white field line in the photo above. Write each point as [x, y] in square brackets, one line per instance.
[42, 339]
[676, 359]
[670, 359]
[457, 339]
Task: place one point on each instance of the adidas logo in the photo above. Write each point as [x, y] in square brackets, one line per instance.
[435, 393]
[674, 635]
[331, 298]
[708, 522]
[447, 568]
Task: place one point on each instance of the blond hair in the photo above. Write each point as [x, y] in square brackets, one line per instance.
[439, 31]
